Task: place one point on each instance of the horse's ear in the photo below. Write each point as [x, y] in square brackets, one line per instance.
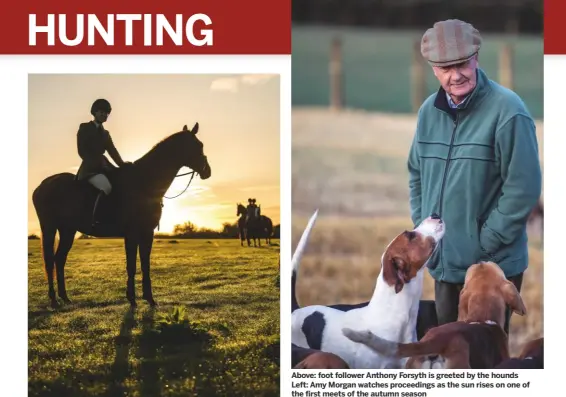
[195, 128]
[185, 128]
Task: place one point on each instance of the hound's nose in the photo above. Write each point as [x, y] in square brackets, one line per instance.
[435, 216]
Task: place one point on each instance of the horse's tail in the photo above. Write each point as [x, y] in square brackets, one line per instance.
[299, 251]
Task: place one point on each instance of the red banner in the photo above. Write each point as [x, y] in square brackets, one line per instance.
[554, 13]
[146, 27]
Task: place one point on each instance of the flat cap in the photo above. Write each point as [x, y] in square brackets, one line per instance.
[450, 42]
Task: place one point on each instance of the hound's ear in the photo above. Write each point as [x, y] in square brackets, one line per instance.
[463, 305]
[390, 272]
[513, 298]
[185, 128]
[195, 128]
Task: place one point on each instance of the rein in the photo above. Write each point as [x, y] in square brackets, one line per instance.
[184, 190]
[188, 184]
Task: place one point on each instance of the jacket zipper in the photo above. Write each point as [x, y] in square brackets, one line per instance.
[444, 180]
[447, 163]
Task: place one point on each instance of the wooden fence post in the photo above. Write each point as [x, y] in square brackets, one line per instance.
[506, 66]
[335, 71]
[418, 77]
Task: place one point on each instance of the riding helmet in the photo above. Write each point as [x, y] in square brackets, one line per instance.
[101, 104]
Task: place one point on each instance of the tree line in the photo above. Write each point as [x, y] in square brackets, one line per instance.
[190, 230]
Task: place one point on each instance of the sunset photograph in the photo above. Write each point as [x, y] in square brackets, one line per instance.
[238, 117]
[153, 234]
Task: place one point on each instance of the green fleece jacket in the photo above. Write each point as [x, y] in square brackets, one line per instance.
[478, 168]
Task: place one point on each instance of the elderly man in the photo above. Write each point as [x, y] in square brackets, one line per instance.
[474, 160]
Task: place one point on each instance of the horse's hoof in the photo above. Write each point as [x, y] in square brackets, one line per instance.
[66, 300]
[54, 304]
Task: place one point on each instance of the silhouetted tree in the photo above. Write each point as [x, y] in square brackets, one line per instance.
[186, 229]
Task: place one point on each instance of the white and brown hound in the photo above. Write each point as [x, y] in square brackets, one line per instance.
[392, 310]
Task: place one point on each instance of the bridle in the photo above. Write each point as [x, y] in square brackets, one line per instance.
[192, 173]
[188, 184]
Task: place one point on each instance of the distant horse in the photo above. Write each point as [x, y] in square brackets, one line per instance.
[132, 211]
[241, 211]
[266, 228]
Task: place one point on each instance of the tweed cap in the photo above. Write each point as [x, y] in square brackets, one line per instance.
[450, 42]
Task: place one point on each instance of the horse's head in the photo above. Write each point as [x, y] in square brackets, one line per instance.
[195, 159]
[241, 209]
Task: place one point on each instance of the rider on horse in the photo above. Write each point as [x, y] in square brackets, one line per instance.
[252, 209]
[92, 142]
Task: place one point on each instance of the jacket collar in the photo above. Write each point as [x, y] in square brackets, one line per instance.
[97, 125]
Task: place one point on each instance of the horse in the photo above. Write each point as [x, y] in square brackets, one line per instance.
[266, 227]
[241, 211]
[253, 226]
[132, 211]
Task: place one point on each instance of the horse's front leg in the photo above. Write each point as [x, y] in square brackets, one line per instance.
[131, 245]
[146, 243]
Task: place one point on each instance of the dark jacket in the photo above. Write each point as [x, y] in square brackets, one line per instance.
[478, 168]
[92, 143]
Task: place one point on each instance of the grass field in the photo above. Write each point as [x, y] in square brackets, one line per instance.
[352, 166]
[227, 345]
[377, 66]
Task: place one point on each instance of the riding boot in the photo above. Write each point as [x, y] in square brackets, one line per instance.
[98, 198]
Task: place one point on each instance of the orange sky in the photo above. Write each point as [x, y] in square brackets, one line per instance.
[235, 112]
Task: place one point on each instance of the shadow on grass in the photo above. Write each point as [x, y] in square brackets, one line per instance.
[120, 368]
[177, 357]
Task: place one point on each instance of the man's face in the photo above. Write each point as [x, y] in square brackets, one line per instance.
[100, 116]
[458, 80]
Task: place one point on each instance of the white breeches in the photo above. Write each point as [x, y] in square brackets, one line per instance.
[101, 182]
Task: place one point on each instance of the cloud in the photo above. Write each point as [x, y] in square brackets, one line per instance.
[228, 84]
[232, 84]
[256, 79]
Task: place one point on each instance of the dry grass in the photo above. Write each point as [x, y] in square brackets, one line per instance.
[352, 166]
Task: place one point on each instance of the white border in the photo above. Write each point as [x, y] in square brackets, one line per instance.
[554, 201]
[14, 72]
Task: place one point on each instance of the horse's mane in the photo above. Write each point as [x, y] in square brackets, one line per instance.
[166, 142]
